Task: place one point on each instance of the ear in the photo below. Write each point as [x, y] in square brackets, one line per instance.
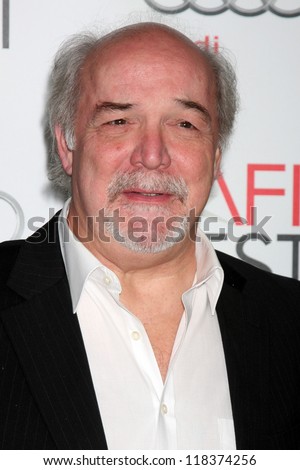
[65, 154]
[217, 163]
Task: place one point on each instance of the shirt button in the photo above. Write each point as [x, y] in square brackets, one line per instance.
[164, 409]
[135, 335]
[107, 280]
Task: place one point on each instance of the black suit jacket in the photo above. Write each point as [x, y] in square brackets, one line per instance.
[47, 399]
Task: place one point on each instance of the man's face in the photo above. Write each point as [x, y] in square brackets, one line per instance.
[146, 132]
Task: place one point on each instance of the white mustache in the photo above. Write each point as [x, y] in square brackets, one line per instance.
[150, 182]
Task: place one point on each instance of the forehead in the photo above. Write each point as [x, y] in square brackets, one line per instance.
[148, 55]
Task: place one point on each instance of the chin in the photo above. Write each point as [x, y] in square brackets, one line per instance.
[154, 239]
[145, 248]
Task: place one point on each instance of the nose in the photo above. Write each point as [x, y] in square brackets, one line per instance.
[151, 151]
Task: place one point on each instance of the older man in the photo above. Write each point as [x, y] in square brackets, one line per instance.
[118, 327]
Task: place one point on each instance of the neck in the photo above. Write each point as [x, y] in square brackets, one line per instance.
[139, 267]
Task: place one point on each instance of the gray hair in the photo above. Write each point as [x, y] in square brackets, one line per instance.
[65, 86]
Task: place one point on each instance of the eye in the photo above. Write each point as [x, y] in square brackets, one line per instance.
[117, 122]
[186, 125]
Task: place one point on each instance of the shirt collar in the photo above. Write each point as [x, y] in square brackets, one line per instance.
[209, 274]
[80, 264]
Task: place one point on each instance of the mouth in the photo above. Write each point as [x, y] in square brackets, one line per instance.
[139, 195]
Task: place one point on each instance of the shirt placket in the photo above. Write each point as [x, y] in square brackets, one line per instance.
[163, 395]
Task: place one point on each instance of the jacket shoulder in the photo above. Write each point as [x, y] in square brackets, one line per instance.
[274, 296]
[235, 267]
[9, 251]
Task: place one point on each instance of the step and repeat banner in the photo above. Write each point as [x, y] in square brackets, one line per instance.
[254, 209]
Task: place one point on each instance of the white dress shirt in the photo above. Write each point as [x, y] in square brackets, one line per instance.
[192, 409]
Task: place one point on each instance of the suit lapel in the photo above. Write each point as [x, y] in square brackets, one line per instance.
[47, 339]
[246, 353]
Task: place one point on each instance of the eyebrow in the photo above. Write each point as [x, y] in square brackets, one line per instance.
[112, 106]
[115, 106]
[109, 106]
[197, 106]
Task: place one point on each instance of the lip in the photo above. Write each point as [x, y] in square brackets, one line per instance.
[147, 197]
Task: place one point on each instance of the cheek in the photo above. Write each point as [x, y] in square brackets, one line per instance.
[201, 171]
[95, 165]
[94, 162]
[200, 179]
[104, 155]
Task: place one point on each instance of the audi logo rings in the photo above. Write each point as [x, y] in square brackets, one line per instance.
[266, 5]
[19, 214]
